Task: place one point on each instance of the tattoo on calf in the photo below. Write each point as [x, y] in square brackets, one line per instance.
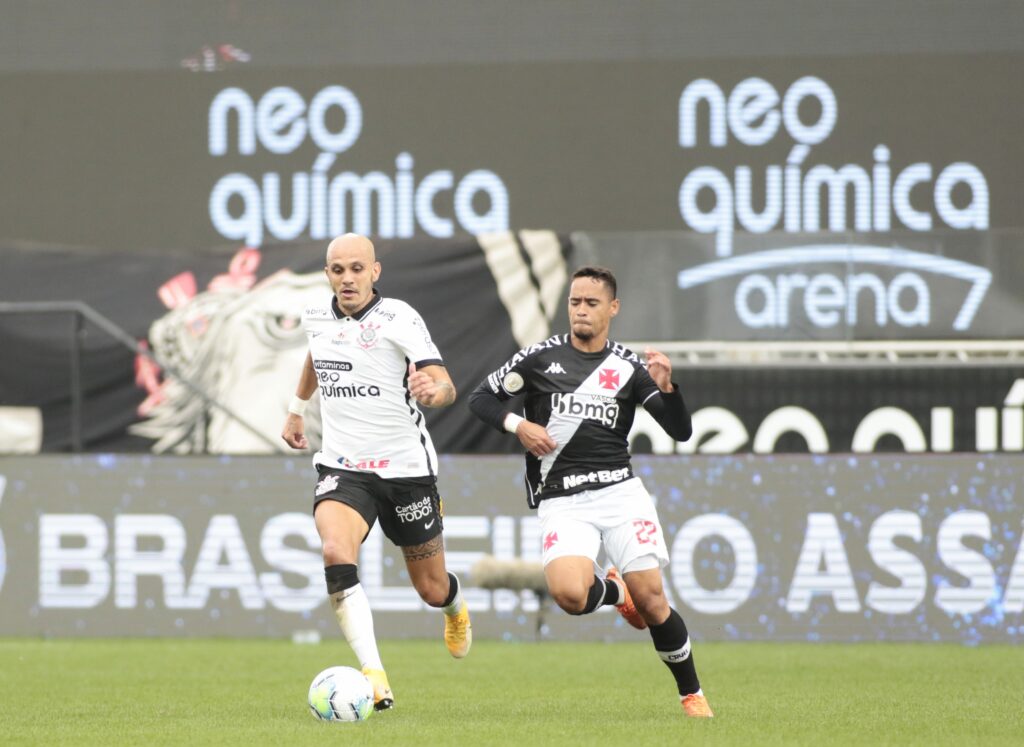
[427, 550]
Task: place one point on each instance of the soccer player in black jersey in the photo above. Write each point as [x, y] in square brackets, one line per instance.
[581, 392]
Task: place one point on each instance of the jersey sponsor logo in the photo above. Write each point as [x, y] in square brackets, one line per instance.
[598, 476]
[414, 511]
[341, 391]
[332, 365]
[368, 335]
[555, 368]
[327, 484]
[364, 463]
[608, 378]
[604, 410]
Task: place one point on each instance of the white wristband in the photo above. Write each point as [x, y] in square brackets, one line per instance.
[298, 406]
[512, 422]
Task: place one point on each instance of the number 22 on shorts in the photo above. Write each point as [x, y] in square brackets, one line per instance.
[646, 531]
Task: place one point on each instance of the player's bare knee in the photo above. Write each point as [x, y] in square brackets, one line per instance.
[433, 591]
[653, 606]
[334, 552]
[572, 600]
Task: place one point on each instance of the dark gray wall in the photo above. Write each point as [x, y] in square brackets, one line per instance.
[153, 34]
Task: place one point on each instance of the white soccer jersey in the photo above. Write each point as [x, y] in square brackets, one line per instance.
[371, 423]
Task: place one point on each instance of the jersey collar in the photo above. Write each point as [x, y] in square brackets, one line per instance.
[359, 315]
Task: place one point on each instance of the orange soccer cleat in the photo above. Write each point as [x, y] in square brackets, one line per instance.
[627, 609]
[696, 705]
[458, 633]
[382, 695]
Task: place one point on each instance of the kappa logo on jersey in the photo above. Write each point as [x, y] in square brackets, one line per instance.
[599, 476]
[414, 511]
[368, 335]
[608, 378]
[327, 484]
[550, 540]
[604, 410]
[555, 368]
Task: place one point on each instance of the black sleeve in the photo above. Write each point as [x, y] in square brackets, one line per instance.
[486, 405]
[670, 411]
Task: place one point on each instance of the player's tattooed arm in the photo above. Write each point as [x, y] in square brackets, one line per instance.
[444, 394]
[431, 385]
[427, 550]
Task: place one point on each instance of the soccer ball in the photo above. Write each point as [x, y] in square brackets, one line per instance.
[341, 694]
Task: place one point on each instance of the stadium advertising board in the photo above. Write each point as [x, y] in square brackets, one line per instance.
[817, 287]
[231, 323]
[844, 548]
[721, 147]
[860, 409]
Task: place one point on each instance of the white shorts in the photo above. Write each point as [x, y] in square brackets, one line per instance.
[621, 517]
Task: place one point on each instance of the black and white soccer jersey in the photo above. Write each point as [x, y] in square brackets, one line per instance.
[586, 402]
[371, 423]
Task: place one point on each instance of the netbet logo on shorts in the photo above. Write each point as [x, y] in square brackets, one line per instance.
[413, 512]
[604, 410]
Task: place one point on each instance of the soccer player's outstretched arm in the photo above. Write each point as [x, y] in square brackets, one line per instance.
[294, 428]
[666, 405]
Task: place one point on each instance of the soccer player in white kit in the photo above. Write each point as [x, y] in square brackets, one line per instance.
[581, 392]
[374, 362]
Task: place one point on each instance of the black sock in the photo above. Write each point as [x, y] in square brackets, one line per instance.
[453, 589]
[611, 592]
[672, 642]
[601, 592]
[340, 577]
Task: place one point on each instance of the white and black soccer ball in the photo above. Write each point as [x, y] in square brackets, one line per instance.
[341, 694]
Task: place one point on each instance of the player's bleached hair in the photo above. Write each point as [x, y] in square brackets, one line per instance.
[602, 274]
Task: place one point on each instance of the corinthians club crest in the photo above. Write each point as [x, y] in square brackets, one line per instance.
[368, 335]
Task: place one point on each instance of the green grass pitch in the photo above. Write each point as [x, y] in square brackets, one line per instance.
[233, 692]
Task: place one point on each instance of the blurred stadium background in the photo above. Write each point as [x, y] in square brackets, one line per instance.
[813, 207]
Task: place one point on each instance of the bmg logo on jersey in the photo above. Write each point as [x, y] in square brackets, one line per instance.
[604, 410]
[415, 511]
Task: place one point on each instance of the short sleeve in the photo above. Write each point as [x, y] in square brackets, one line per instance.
[413, 338]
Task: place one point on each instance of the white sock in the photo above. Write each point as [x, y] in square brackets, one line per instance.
[352, 608]
[700, 691]
[456, 605]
